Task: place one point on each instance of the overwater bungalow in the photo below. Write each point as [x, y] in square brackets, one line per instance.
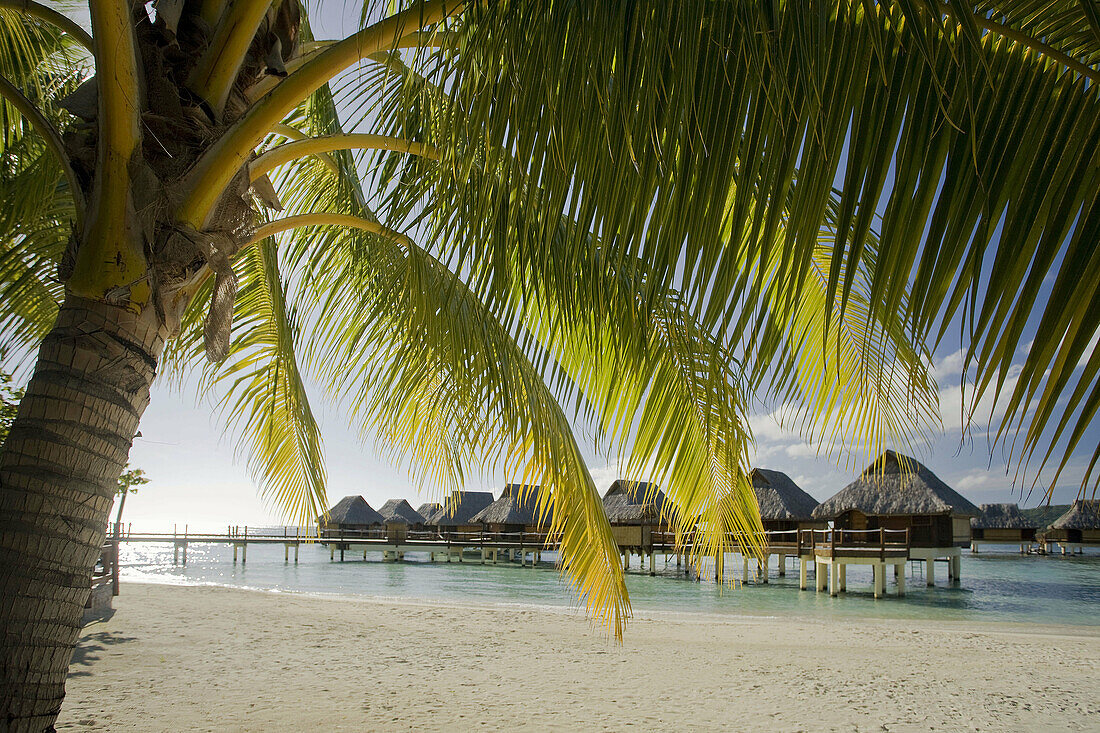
[517, 510]
[352, 514]
[1078, 527]
[784, 510]
[783, 504]
[398, 517]
[1001, 524]
[457, 514]
[636, 509]
[897, 492]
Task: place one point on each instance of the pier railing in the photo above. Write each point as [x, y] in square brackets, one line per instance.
[862, 541]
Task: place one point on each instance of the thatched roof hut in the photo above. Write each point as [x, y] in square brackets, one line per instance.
[1084, 514]
[899, 492]
[635, 510]
[1081, 524]
[897, 485]
[516, 510]
[636, 502]
[461, 507]
[1000, 524]
[780, 498]
[1001, 516]
[350, 513]
[429, 510]
[399, 511]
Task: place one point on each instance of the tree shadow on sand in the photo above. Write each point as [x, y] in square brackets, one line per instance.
[89, 648]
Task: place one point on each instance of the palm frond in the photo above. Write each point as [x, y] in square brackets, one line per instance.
[642, 124]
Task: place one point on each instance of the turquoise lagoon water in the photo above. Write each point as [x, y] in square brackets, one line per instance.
[997, 585]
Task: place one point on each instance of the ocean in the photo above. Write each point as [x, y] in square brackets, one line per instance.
[996, 585]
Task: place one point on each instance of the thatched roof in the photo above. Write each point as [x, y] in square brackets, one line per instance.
[779, 497]
[429, 510]
[635, 502]
[1001, 516]
[1084, 514]
[889, 487]
[510, 509]
[461, 507]
[351, 510]
[399, 511]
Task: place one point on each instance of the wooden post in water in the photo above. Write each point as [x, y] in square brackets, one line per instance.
[114, 566]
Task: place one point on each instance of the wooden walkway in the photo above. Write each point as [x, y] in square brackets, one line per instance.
[828, 551]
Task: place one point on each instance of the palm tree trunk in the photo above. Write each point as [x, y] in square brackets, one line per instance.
[58, 475]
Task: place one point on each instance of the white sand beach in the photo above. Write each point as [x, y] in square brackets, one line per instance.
[214, 659]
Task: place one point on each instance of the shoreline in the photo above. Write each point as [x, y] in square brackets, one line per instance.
[644, 614]
[216, 658]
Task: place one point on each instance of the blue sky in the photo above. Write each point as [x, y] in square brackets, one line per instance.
[198, 480]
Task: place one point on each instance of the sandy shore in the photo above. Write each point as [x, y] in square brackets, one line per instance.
[178, 658]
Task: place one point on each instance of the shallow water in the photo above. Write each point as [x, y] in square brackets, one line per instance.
[997, 585]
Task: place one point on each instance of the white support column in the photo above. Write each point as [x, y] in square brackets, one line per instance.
[802, 563]
[331, 553]
[956, 568]
[286, 552]
[880, 579]
[762, 567]
[244, 553]
[842, 574]
[176, 554]
[820, 575]
[834, 580]
[745, 571]
[482, 555]
[782, 566]
[930, 571]
[652, 566]
[296, 545]
[901, 580]
[974, 546]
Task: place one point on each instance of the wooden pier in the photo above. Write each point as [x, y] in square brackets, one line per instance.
[828, 552]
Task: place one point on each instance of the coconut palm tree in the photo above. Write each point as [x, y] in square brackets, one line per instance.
[642, 215]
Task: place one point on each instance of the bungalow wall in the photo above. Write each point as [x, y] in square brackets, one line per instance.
[785, 525]
[925, 530]
[1001, 534]
[635, 535]
[1073, 535]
